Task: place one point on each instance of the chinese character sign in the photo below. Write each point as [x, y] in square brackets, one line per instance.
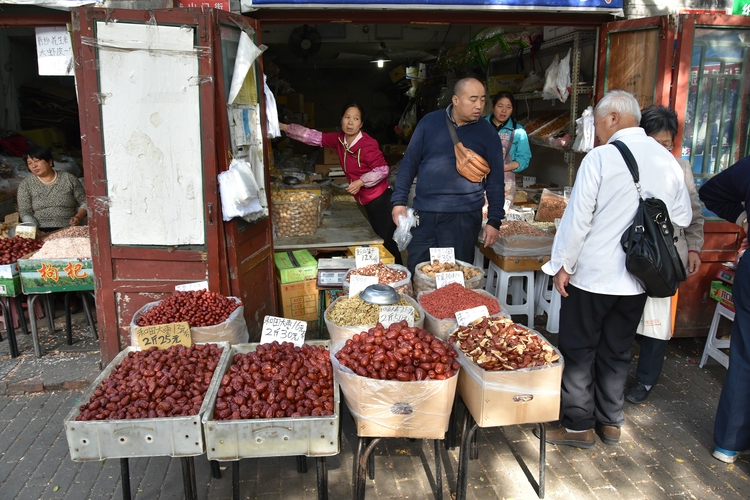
[163, 336]
[54, 51]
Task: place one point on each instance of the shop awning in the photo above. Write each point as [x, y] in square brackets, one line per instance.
[613, 7]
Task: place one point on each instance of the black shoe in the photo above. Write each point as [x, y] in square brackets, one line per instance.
[637, 394]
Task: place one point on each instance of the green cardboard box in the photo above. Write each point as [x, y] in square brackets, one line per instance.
[10, 280]
[56, 275]
[294, 266]
[722, 293]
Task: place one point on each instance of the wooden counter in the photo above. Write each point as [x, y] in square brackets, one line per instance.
[344, 227]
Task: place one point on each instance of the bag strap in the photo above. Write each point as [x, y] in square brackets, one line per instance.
[451, 129]
[631, 163]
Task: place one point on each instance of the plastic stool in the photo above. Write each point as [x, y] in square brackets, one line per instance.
[548, 301]
[479, 258]
[713, 344]
[502, 283]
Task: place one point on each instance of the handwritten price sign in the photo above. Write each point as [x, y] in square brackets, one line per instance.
[358, 283]
[443, 255]
[163, 336]
[365, 256]
[283, 330]
[394, 314]
[443, 279]
[528, 181]
[199, 285]
[466, 316]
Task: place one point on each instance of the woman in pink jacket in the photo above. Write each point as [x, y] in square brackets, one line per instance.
[364, 166]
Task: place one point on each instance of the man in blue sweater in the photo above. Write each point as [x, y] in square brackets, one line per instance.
[727, 194]
[449, 205]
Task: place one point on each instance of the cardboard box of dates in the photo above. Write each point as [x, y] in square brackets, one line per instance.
[509, 374]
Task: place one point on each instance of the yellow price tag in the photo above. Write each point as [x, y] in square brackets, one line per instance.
[26, 231]
[163, 336]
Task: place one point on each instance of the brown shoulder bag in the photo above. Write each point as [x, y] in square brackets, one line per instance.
[469, 164]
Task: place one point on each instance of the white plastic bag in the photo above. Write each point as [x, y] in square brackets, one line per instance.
[549, 91]
[557, 79]
[402, 235]
[272, 115]
[238, 190]
[656, 321]
[247, 53]
[585, 132]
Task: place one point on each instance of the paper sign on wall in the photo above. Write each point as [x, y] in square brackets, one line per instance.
[528, 180]
[366, 256]
[443, 255]
[163, 336]
[198, 285]
[283, 330]
[443, 279]
[54, 51]
[359, 283]
[466, 316]
[394, 314]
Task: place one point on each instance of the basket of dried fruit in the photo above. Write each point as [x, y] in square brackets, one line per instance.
[521, 239]
[347, 316]
[424, 275]
[510, 374]
[394, 275]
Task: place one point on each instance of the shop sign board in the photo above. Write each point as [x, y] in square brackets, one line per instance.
[56, 275]
[213, 4]
[54, 51]
[556, 5]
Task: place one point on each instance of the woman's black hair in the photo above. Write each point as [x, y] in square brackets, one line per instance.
[354, 105]
[38, 153]
[655, 119]
[505, 94]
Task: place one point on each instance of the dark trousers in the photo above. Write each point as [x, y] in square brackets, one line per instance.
[381, 220]
[596, 333]
[650, 360]
[732, 426]
[459, 230]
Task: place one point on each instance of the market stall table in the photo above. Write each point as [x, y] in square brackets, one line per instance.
[345, 226]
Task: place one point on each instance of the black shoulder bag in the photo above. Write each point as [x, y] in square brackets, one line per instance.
[650, 253]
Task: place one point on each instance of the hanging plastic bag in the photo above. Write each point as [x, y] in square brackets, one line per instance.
[585, 132]
[408, 121]
[562, 83]
[238, 190]
[272, 115]
[247, 53]
[402, 235]
[549, 91]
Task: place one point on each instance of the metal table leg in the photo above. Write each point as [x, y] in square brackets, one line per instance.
[438, 471]
[451, 437]
[49, 310]
[301, 464]
[32, 319]
[68, 326]
[215, 469]
[87, 311]
[542, 458]
[12, 344]
[322, 469]
[188, 478]
[469, 428]
[21, 316]
[362, 466]
[236, 480]
[125, 478]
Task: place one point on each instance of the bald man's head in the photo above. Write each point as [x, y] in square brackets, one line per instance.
[468, 100]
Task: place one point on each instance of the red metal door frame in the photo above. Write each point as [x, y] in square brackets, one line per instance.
[683, 60]
[666, 35]
[110, 284]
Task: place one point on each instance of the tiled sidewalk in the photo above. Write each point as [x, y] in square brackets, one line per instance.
[664, 453]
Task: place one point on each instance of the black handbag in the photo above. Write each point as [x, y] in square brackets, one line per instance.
[650, 253]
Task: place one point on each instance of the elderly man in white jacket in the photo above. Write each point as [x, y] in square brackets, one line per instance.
[602, 302]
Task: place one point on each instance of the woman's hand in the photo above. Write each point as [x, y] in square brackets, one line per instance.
[283, 126]
[694, 263]
[75, 221]
[354, 187]
[511, 166]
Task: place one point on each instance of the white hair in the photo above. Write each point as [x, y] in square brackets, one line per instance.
[619, 101]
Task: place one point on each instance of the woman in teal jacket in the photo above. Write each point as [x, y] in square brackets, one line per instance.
[514, 138]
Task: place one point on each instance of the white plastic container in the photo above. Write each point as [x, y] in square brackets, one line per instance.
[143, 437]
[272, 437]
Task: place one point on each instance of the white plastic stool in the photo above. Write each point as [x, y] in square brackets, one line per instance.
[548, 301]
[479, 258]
[713, 344]
[502, 283]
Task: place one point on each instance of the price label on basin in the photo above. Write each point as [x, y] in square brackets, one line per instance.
[394, 314]
[358, 283]
[443, 279]
[163, 336]
[283, 330]
[466, 316]
[366, 256]
[199, 285]
[443, 255]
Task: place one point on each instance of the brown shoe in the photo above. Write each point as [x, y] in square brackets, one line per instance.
[557, 434]
[609, 434]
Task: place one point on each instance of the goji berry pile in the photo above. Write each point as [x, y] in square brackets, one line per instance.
[445, 302]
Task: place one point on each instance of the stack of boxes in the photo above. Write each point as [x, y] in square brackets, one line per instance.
[721, 289]
[296, 278]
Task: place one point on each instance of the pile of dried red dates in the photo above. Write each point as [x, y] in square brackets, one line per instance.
[197, 307]
[153, 383]
[399, 353]
[275, 381]
[12, 249]
[499, 344]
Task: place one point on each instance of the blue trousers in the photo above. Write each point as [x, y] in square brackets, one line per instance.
[732, 426]
[459, 230]
[651, 360]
